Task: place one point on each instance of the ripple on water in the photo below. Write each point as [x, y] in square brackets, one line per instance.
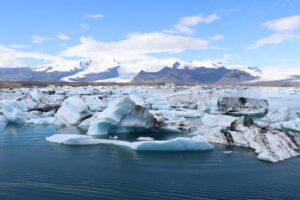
[32, 167]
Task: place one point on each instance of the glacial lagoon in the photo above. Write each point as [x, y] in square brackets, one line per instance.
[32, 167]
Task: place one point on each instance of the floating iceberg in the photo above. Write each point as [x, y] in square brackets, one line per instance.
[36, 95]
[292, 125]
[269, 144]
[72, 139]
[242, 106]
[283, 119]
[15, 112]
[123, 116]
[176, 144]
[281, 115]
[72, 111]
[211, 120]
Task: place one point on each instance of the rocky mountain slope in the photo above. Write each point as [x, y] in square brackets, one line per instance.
[194, 75]
[112, 71]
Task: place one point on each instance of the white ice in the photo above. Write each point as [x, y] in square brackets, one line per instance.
[121, 113]
[176, 144]
[72, 111]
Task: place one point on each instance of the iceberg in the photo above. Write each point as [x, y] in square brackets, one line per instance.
[242, 106]
[44, 121]
[36, 95]
[176, 144]
[211, 128]
[269, 144]
[292, 125]
[14, 112]
[72, 139]
[281, 115]
[211, 120]
[283, 119]
[72, 111]
[123, 116]
[85, 124]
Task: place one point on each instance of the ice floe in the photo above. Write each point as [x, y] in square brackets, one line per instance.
[269, 144]
[281, 115]
[242, 106]
[176, 144]
[292, 125]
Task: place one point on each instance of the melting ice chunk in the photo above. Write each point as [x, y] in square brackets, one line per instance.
[176, 144]
[72, 111]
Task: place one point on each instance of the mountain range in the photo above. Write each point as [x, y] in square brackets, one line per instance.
[113, 71]
[194, 75]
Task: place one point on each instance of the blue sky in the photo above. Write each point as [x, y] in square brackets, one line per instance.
[256, 33]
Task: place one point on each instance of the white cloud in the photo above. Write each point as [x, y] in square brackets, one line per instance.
[279, 72]
[94, 16]
[274, 39]
[39, 39]
[13, 58]
[187, 24]
[63, 36]
[284, 29]
[134, 51]
[136, 44]
[286, 24]
[147, 63]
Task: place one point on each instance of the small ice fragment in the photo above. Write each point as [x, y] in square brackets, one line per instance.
[227, 152]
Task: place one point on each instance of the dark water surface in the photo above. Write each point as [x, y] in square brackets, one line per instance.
[31, 168]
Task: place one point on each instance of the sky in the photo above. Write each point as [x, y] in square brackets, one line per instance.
[262, 33]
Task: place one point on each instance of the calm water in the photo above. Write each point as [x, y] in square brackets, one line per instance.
[31, 168]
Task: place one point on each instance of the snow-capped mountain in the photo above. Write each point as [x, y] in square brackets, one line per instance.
[110, 70]
[82, 71]
[189, 73]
